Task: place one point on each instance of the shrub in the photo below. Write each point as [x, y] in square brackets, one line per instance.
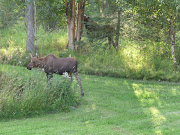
[24, 94]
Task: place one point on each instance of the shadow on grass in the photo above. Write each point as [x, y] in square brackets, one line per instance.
[157, 101]
[138, 106]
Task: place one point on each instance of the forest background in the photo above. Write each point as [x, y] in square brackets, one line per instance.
[144, 35]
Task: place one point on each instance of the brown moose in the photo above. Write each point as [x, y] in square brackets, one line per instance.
[51, 64]
[95, 31]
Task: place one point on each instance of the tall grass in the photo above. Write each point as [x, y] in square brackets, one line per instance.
[51, 42]
[24, 93]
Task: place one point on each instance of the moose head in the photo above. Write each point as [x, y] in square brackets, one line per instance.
[35, 62]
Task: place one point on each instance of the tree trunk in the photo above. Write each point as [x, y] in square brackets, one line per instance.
[80, 24]
[70, 13]
[117, 31]
[172, 34]
[30, 27]
[35, 30]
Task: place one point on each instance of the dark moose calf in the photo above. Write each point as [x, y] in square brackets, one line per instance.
[51, 64]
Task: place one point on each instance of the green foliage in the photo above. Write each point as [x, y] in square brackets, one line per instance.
[14, 57]
[154, 17]
[148, 61]
[51, 14]
[25, 93]
[52, 42]
[8, 13]
[14, 36]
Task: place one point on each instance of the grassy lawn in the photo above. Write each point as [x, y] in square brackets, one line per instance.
[110, 106]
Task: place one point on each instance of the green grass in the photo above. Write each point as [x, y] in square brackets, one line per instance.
[25, 93]
[111, 106]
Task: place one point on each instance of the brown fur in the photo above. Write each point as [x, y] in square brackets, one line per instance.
[51, 64]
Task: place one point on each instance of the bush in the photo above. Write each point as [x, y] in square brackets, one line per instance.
[25, 94]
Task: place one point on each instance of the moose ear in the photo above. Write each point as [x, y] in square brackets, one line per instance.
[39, 55]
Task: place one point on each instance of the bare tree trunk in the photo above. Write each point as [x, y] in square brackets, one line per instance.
[80, 24]
[30, 27]
[70, 13]
[35, 30]
[173, 50]
[117, 31]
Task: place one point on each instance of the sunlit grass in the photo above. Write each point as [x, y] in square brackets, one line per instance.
[52, 42]
[13, 39]
[156, 99]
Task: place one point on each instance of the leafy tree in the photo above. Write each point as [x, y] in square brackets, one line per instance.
[8, 13]
[108, 12]
[51, 14]
[159, 16]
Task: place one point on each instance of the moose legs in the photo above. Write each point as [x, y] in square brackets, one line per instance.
[70, 75]
[50, 76]
[111, 42]
[79, 81]
[49, 79]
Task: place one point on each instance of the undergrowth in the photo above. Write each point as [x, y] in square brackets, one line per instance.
[24, 93]
[131, 61]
